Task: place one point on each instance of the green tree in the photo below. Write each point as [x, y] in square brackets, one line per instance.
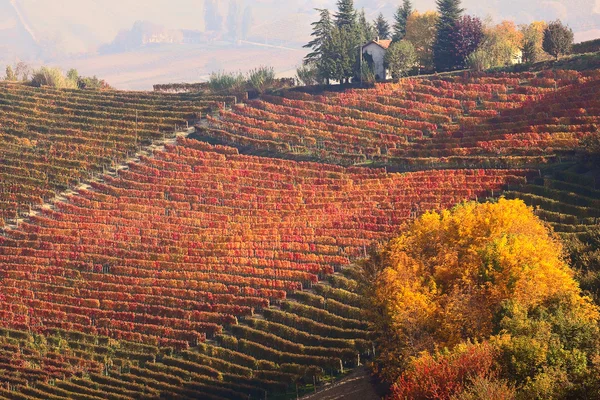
[22, 71]
[321, 32]
[10, 74]
[443, 49]
[382, 27]
[401, 19]
[558, 39]
[346, 14]
[366, 30]
[73, 75]
[401, 58]
[340, 54]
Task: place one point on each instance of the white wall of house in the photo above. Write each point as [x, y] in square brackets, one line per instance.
[378, 54]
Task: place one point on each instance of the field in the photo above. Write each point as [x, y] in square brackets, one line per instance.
[502, 120]
[139, 263]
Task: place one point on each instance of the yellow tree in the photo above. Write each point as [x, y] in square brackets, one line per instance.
[421, 32]
[501, 46]
[533, 36]
[445, 280]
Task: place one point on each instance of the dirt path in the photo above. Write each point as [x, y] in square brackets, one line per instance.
[356, 386]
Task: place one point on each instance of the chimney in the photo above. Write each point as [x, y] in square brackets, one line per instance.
[377, 39]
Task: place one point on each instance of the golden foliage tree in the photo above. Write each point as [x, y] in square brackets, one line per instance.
[531, 46]
[449, 277]
[421, 32]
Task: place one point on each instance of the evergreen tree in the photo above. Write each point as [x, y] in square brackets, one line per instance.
[340, 54]
[400, 19]
[212, 20]
[366, 30]
[321, 32]
[443, 51]
[346, 15]
[382, 27]
[247, 21]
[233, 20]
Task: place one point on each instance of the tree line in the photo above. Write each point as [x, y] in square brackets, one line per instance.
[53, 77]
[433, 41]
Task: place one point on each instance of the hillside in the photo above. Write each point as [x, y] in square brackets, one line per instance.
[140, 260]
[498, 120]
[54, 139]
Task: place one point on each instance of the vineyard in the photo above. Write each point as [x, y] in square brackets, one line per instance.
[470, 120]
[139, 263]
[53, 139]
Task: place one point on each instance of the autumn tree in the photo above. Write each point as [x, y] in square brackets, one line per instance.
[400, 58]
[480, 273]
[401, 19]
[421, 32]
[465, 38]
[382, 27]
[500, 46]
[533, 36]
[558, 39]
[443, 49]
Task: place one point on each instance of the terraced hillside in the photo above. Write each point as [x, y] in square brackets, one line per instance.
[567, 196]
[188, 245]
[52, 139]
[470, 120]
[206, 271]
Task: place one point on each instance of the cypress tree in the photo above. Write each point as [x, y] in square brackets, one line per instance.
[443, 53]
[346, 15]
[321, 31]
[400, 19]
[382, 27]
[366, 29]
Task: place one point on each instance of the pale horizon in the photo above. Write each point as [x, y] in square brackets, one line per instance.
[79, 33]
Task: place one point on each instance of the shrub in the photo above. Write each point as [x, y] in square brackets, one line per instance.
[47, 76]
[308, 75]
[261, 78]
[223, 82]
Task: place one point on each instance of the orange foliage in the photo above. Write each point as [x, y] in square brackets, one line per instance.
[445, 279]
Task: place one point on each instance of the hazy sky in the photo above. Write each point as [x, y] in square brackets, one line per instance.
[84, 23]
[70, 32]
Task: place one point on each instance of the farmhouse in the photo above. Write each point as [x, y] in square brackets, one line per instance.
[374, 52]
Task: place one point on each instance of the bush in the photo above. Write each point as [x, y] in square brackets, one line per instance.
[261, 78]
[223, 82]
[308, 75]
[53, 77]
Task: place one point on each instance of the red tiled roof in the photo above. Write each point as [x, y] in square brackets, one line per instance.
[381, 43]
